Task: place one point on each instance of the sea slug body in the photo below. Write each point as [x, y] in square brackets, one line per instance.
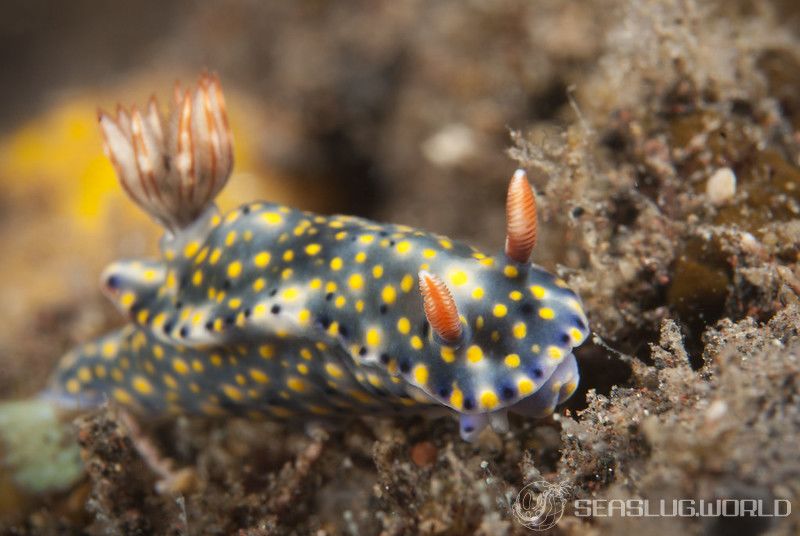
[272, 311]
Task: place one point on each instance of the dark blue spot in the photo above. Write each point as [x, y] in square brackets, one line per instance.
[210, 325]
[384, 358]
[226, 284]
[275, 309]
[578, 321]
[383, 308]
[424, 328]
[469, 403]
[247, 312]
[405, 367]
[526, 308]
[507, 392]
[444, 392]
[469, 429]
[230, 319]
[178, 304]
[113, 281]
[565, 338]
[537, 372]
[184, 332]
[168, 327]
[273, 292]
[329, 296]
[324, 321]
[246, 209]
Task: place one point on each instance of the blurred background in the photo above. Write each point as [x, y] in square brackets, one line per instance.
[405, 112]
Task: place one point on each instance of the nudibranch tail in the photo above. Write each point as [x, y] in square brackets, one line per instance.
[172, 169]
[280, 378]
[521, 224]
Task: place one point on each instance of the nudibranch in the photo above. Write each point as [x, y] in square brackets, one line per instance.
[276, 312]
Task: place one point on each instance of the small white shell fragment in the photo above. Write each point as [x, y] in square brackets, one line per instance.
[721, 186]
[450, 145]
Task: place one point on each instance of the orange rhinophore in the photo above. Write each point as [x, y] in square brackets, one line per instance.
[520, 218]
[440, 307]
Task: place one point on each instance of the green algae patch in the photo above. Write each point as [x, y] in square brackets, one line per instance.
[39, 452]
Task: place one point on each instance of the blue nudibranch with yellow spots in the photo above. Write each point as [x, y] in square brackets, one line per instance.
[271, 311]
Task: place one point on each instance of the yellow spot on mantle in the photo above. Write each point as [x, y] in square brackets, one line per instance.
[458, 277]
[142, 385]
[474, 353]
[373, 337]
[191, 248]
[404, 325]
[457, 398]
[538, 292]
[520, 330]
[122, 396]
[576, 335]
[333, 370]
[296, 384]
[72, 386]
[407, 283]
[448, 354]
[421, 374]
[512, 360]
[180, 366]
[262, 259]
[356, 281]
[555, 353]
[272, 218]
[525, 386]
[488, 399]
[235, 269]
[389, 294]
[232, 392]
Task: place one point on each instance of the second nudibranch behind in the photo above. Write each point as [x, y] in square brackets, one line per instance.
[274, 311]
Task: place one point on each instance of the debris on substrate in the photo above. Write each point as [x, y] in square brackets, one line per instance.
[691, 388]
